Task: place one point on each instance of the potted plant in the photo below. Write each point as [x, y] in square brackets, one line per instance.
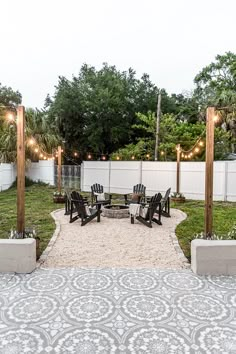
[28, 233]
[59, 197]
[178, 197]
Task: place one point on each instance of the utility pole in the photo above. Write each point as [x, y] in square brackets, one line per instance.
[158, 127]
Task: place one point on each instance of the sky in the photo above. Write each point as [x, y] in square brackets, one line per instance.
[171, 40]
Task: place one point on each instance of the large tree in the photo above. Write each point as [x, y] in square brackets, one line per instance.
[216, 83]
[8, 97]
[216, 86]
[172, 132]
[96, 110]
[37, 131]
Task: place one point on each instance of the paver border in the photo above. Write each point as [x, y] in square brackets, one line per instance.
[177, 247]
[55, 235]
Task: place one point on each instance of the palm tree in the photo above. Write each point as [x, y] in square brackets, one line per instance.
[38, 135]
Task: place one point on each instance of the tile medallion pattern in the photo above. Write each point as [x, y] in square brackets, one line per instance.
[121, 311]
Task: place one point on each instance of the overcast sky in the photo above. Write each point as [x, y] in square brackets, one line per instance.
[171, 40]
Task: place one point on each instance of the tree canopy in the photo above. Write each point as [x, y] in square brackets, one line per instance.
[216, 86]
[96, 110]
[216, 83]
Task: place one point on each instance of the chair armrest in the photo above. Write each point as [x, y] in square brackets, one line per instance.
[77, 201]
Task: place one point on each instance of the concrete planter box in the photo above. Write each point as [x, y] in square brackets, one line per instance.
[213, 257]
[18, 256]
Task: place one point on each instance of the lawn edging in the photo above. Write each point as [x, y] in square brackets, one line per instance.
[213, 257]
[48, 249]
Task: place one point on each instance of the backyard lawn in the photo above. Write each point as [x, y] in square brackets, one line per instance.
[224, 218]
[39, 204]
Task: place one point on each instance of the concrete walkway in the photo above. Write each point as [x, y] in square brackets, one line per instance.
[105, 311]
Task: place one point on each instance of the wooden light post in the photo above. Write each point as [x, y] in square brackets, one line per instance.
[178, 167]
[59, 169]
[20, 169]
[209, 171]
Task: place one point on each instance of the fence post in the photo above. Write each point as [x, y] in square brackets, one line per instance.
[82, 177]
[109, 177]
[141, 172]
[226, 181]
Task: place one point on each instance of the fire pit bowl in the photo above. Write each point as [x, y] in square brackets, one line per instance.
[117, 211]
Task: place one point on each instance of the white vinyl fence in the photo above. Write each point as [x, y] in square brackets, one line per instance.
[7, 175]
[121, 176]
[37, 171]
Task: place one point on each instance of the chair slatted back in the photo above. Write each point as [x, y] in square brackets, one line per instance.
[153, 204]
[167, 194]
[165, 204]
[78, 202]
[139, 189]
[97, 188]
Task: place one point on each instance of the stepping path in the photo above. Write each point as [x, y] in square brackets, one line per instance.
[115, 243]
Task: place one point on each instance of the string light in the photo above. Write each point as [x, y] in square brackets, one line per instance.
[31, 141]
[117, 157]
[103, 157]
[216, 118]
[89, 156]
[162, 153]
[75, 154]
[147, 156]
[10, 117]
[187, 154]
[132, 157]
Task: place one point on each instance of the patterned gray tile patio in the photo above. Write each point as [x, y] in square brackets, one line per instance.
[81, 310]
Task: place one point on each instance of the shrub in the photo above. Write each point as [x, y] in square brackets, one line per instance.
[231, 235]
[28, 182]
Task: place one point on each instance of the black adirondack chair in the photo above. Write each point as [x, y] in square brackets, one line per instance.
[165, 204]
[137, 196]
[98, 189]
[153, 206]
[82, 210]
[68, 200]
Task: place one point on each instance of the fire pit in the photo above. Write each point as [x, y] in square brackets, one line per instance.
[116, 211]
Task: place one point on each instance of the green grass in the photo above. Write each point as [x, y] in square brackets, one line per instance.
[39, 204]
[224, 217]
